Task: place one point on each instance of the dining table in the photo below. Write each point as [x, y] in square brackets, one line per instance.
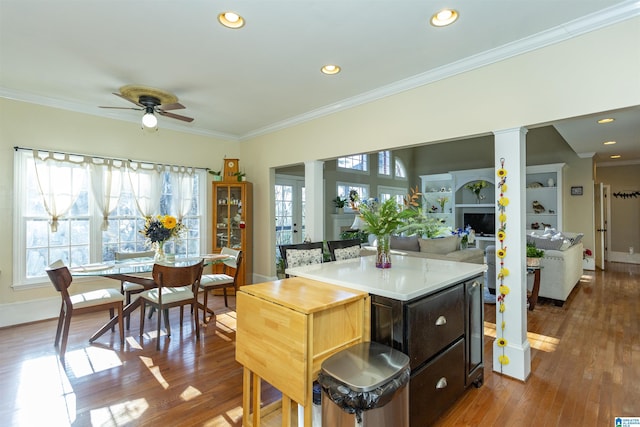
[134, 270]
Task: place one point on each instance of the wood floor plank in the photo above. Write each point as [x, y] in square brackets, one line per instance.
[585, 360]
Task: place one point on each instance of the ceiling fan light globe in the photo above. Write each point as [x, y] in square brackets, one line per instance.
[149, 120]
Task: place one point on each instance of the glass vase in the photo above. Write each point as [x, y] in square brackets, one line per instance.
[383, 254]
[159, 248]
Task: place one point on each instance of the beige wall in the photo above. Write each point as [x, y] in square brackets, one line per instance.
[32, 126]
[559, 81]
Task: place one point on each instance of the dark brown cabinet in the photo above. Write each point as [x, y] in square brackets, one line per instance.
[443, 335]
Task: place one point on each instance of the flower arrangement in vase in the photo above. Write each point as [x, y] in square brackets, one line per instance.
[158, 230]
[476, 188]
[442, 201]
[381, 219]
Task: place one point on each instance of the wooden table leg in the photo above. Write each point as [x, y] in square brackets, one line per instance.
[533, 298]
[256, 400]
[246, 396]
[286, 411]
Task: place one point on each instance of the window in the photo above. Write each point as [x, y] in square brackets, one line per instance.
[384, 163]
[344, 188]
[384, 166]
[358, 162]
[386, 193]
[401, 171]
[61, 208]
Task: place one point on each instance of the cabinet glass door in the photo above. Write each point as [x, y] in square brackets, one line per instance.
[230, 217]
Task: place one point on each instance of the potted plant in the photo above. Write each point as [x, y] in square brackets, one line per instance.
[339, 202]
[217, 175]
[241, 176]
[533, 255]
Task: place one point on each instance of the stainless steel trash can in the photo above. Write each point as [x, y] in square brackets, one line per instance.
[365, 385]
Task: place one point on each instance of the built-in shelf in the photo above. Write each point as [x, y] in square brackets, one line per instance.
[452, 185]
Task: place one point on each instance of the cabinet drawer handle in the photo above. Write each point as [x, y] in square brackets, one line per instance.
[442, 383]
[475, 284]
[441, 321]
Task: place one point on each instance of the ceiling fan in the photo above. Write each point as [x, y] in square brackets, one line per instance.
[151, 101]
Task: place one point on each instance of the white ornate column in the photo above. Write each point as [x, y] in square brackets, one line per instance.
[511, 350]
[314, 200]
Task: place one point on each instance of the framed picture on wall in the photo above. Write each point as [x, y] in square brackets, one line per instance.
[576, 191]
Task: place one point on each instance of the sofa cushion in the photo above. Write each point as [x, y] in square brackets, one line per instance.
[405, 243]
[550, 239]
[440, 245]
[545, 242]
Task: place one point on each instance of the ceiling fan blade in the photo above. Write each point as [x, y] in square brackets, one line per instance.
[122, 108]
[175, 116]
[130, 100]
[174, 106]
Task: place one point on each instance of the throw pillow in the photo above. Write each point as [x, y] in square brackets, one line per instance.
[300, 257]
[545, 243]
[440, 245]
[347, 253]
[405, 243]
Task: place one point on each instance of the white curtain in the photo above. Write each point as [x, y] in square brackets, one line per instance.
[146, 187]
[106, 184]
[182, 182]
[59, 180]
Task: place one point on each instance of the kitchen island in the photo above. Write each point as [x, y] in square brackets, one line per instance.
[432, 310]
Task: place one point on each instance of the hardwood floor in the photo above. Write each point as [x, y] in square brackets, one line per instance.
[585, 363]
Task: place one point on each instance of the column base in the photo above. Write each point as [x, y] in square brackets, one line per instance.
[519, 366]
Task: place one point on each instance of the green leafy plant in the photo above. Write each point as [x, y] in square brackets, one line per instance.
[240, 175]
[355, 234]
[339, 202]
[533, 252]
[216, 173]
[380, 219]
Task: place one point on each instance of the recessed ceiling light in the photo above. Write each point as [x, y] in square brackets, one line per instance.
[444, 17]
[616, 156]
[609, 142]
[231, 20]
[607, 120]
[330, 69]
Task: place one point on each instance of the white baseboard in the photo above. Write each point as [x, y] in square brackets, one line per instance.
[625, 257]
[29, 311]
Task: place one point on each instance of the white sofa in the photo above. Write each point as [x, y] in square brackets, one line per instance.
[561, 268]
[446, 248]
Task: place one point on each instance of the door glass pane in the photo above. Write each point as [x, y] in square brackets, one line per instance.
[284, 214]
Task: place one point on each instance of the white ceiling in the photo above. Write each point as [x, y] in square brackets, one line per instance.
[240, 83]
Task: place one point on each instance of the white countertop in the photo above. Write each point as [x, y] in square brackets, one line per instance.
[408, 277]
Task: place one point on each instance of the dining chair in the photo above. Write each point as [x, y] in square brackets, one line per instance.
[300, 254]
[86, 302]
[227, 279]
[344, 249]
[130, 288]
[176, 287]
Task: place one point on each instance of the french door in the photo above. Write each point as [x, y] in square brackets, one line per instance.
[289, 209]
